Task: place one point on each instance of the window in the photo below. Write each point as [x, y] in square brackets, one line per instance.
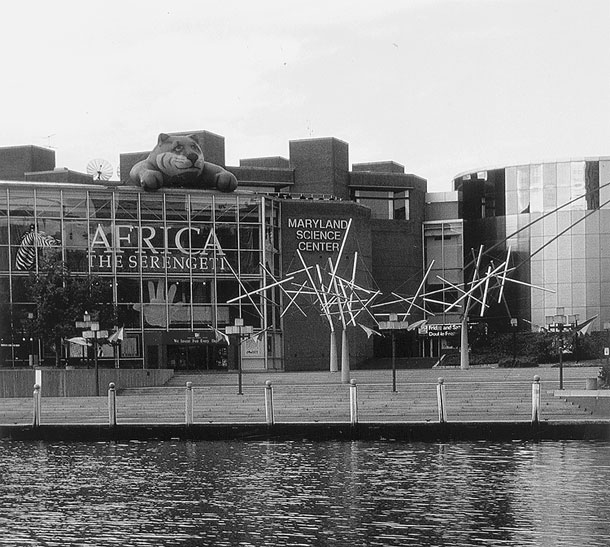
[48, 204]
[401, 205]
[21, 202]
[443, 244]
[74, 204]
[385, 204]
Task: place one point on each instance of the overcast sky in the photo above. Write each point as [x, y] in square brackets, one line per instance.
[439, 86]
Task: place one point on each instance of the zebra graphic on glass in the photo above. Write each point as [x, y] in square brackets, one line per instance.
[30, 242]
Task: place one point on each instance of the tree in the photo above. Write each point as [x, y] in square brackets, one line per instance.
[61, 299]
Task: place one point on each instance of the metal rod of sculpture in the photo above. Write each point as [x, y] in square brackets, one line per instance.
[344, 339]
[464, 353]
[321, 301]
[324, 305]
[343, 307]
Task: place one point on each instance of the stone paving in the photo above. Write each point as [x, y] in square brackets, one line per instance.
[479, 394]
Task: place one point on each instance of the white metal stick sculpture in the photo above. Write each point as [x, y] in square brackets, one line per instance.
[338, 300]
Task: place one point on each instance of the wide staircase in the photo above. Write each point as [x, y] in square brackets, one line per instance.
[321, 397]
[486, 395]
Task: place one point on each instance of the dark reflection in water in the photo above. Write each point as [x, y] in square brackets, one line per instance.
[304, 493]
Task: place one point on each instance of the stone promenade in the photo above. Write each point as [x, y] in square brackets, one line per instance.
[479, 394]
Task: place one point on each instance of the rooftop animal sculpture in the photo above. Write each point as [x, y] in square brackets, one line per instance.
[177, 161]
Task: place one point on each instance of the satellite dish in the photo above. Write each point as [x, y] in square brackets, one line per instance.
[99, 169]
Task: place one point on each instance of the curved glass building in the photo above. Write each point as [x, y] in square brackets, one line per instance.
[555, 218]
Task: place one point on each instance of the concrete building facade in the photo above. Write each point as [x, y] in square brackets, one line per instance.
[185, 264]
[180, 261]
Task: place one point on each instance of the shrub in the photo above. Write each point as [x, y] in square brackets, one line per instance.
[519, 362]
[604, 375]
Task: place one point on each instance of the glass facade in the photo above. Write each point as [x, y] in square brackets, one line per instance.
[557, 223]
[444, 252]
[177, 263]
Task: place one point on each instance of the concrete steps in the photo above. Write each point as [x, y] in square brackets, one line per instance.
[487, 401]
[471, 396]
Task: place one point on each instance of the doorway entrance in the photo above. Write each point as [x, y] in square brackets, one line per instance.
[197, 356]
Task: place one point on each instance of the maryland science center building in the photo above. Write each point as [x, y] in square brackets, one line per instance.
[186, 262]
[178, 258]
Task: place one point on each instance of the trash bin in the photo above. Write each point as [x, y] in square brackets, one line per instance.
[591, 383]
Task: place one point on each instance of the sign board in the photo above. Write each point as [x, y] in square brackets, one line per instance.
[440, 329]
[253, 347]
[189, 341]
[393, 325]
[247, 329]
[188, 337]
[95, 334]
[560, 327]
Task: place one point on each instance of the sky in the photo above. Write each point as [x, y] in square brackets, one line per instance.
[439, 86]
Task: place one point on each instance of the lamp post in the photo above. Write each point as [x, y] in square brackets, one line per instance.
[241, 331]
[393, 325]
[514, 323]
[92, 332]
[32, 359]
[607, 348]
[573, 320]
[556, 323]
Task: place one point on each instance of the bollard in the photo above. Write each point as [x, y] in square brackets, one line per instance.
[36, 420]
[111, 404]
[189, 404]
[440, 396]
[536, 400]
[269, 403]
[353, 402]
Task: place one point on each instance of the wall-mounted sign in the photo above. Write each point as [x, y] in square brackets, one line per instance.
[156, 248]
[440, 329]
[253, 347]
[189, 338]
[317, 234]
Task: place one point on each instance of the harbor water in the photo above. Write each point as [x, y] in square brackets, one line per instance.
[178, 493]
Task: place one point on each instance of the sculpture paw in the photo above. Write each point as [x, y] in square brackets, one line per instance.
[151, 180]
[226, 182]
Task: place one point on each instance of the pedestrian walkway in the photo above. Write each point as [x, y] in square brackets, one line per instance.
[473, 395]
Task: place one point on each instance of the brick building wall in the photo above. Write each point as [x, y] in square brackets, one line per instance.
[15, 161]
[307, 339]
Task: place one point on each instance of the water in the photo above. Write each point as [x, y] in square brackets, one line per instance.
[304, 493]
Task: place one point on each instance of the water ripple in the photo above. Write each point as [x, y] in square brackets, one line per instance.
[304, 493]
